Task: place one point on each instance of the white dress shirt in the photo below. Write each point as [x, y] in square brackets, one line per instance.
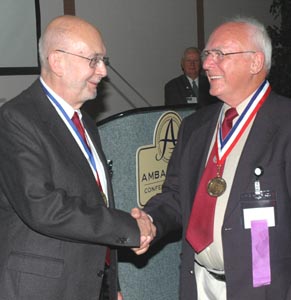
[70, 112]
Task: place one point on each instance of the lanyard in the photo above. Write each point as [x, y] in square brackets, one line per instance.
[85, 147]
[225, 146]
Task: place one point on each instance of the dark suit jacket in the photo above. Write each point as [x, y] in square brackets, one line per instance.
[53, 221]
[269, 146]
[178, 89]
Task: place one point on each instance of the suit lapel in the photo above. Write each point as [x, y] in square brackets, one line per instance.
[59, 131]
[94, 135]
[186, 84]
[253, 154]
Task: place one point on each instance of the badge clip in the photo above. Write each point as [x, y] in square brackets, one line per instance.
[258, 173]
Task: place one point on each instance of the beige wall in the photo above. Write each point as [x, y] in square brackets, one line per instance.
[10, 86]
[219, 11]
[144, 41]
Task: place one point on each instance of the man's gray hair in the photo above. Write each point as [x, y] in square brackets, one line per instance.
[259, 36]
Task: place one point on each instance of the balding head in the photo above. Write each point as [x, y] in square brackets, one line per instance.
[71, 54]
[65, 31]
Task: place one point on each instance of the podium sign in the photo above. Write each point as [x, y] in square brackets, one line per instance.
[152, 160]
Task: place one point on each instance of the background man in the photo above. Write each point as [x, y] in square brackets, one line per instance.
[191, 87]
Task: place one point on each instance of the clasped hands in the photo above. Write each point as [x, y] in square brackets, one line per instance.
[147, 230]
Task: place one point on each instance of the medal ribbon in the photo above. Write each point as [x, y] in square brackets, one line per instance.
[87, 150]
[85, 146]
[224, 147]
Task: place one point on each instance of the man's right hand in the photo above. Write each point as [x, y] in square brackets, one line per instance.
[147, 230]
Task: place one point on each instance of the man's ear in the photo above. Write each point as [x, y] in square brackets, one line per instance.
[257, 62]
[56, 63]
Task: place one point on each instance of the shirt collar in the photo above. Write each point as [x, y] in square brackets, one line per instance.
[191, 80]
[65, 105]
[240, 108]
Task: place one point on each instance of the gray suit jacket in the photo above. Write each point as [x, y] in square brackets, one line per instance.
[269, 146]
[53, 222]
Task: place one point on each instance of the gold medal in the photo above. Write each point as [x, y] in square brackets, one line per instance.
[216, 186]
[104, 198]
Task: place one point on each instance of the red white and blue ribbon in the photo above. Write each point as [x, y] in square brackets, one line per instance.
[225, 146]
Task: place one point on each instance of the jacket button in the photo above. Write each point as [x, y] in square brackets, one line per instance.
[100, 273]
[123, 240]
[191, 272]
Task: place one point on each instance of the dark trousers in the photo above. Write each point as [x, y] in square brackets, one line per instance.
[104, 294]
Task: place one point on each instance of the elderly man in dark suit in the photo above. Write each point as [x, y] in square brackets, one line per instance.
[58, 226]
[191, 87]
[228, 180]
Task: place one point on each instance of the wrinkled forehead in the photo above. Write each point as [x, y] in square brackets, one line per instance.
[88, 39]
[192, 54]
[233, 35]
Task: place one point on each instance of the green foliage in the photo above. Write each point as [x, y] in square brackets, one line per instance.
[280, 75]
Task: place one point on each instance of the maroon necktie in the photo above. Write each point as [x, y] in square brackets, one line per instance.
[78, 124]
[200, 228]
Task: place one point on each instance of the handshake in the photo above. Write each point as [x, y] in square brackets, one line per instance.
[147, 230]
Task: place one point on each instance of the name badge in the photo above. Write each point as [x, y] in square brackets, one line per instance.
[258, 207]
[191, 100]
[255, 214]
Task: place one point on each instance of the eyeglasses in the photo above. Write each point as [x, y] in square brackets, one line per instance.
[93, 62]
[218, 55]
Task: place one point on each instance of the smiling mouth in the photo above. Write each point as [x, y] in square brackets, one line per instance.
[94, 83]
[214, 77]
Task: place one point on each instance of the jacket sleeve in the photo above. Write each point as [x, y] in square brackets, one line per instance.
[48, 185]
